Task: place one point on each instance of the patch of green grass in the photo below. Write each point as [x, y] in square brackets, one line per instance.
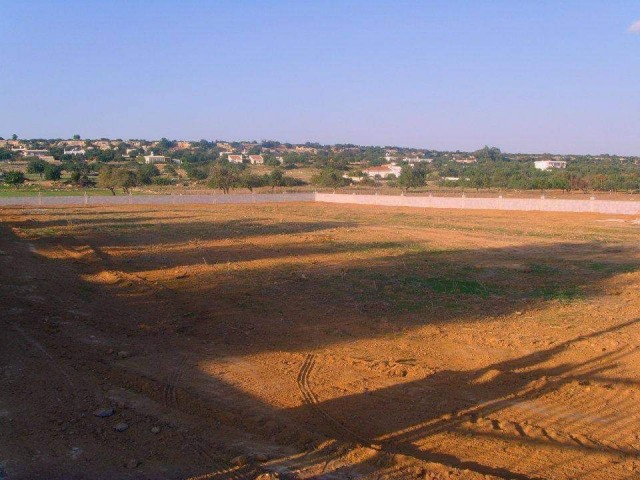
[612, 267]
[561, 294]
[543, 269]
[449, 286]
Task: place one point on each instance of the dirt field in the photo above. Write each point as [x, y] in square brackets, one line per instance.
[318, 341]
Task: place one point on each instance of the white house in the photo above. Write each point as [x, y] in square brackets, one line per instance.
[154, 158]
[256, 159]
[383, 171]
[74, 151]
[235, 158]
[548, 164]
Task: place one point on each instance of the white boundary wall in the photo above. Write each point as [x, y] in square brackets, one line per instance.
[522, 204]
[158, 199]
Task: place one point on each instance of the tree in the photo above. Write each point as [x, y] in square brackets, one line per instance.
[329, 177]
[76, 137]
[14, 137]
[6, 154]
[14, 177]
[195, 172]
[126, 179]
[52, 172]
[171, 170]
[410, 178]
[36, 165]
[223, 176]
[145, 173]
[107, 179]
[112, 178]
[275, 178]
[251, 180]
[81, 179]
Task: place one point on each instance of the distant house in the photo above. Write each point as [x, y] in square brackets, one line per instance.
[467, 160]
[235, 158]
[75, 151]
[256, 159]
[154, 158]
[35, 153]
[74, 143]
[417, 160]
[383, 171]
[549, 164]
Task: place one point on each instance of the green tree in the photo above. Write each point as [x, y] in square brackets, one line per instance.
[275, 178]
[410, 178]
[36, 165]
[329, 177]
[112, 178]
[251, 180]
[107, 179]
[14, 177]
[76, 137]
[145, 173]
[14, 137]
[126, 179]
[223, 177]
[52, 172]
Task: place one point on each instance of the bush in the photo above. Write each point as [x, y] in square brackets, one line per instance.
[14, 177]
[52, 172]
[329, 177]
[36, 165]
[163, 181]
[146, 173]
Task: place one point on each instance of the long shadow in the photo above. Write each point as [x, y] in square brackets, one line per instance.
[259, 310]
[129, 233]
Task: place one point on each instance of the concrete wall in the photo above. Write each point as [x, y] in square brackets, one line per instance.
[158, 199]
[523, 204]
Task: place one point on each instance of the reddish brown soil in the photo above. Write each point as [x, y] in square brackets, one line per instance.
[318, 341]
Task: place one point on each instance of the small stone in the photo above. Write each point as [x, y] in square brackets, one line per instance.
[155, 430]
[518, 313]
[104, 412]
[133, 463]
[123, 354]
[239, 461]
[261, 457]
[267, 476]
[121, 427]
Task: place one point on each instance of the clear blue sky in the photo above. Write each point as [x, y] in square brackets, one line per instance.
[534, 76]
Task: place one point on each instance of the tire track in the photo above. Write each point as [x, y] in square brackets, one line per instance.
[220, 470]
[173, 379]
[311, 400]
[391, 447]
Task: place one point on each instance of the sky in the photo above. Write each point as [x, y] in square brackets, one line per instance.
[525, 76]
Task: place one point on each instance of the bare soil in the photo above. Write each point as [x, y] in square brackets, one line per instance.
[318, 341]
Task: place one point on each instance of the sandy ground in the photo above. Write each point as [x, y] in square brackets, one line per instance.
[318, 341]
